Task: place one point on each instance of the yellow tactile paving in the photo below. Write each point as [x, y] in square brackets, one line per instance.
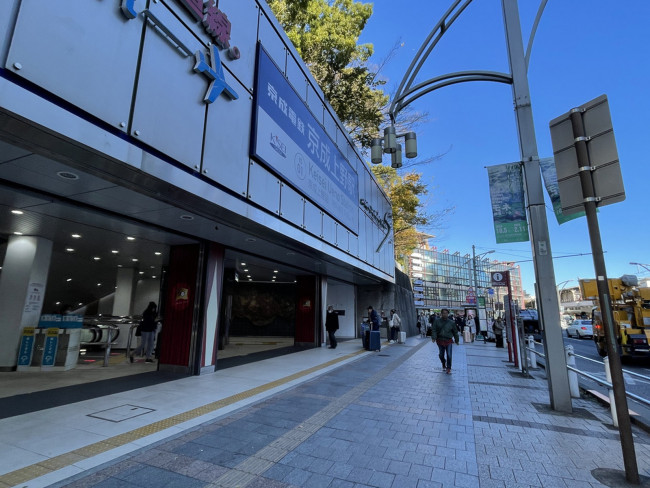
[44, 467]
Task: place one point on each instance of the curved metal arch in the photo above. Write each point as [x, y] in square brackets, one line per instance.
[441, 27]
[453, 82]
[449, 79]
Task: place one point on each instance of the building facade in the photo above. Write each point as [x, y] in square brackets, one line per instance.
[177, 152]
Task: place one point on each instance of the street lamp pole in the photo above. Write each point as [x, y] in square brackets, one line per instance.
[474, 256]
[549, 309]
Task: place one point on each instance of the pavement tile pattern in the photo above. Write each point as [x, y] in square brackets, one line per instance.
[391, 420]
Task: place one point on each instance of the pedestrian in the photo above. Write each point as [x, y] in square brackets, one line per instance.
[460, 323]
[498, 327]
[373, 318]
[444, 334]
[469, 323]
[148, 326]
[418, 322]
[331, 325]
[395, 324]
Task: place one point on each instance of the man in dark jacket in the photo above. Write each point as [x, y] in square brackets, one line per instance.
[373, 318]
[331, 325]
[444, 333]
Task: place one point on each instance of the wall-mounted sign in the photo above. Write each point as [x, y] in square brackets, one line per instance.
[500, 278]
[289, 139]
[26, 348]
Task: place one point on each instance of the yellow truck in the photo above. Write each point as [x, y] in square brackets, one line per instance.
[631, 310]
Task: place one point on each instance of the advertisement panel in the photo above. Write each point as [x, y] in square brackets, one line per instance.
[549, 174]
[508, 207]
[289, 139]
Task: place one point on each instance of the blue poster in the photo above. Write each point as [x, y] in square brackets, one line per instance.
[26, 348]
[549, 173]
[49, 348]
[289, 139]
[508, 207]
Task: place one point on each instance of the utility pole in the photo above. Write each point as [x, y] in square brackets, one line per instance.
[548, 307]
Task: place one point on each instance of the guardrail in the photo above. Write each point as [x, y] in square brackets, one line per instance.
[107, 342]
[574, 372]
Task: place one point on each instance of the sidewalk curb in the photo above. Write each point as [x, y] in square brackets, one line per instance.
[635, 418]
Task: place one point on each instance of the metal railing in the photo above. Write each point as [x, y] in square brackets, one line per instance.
[574, 372]
[106, 343]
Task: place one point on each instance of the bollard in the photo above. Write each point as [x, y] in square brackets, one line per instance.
[532, 357]
[612, 403]
[573, 376]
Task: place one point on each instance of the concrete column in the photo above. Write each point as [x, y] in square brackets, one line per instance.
[123, 302]
[22, 289]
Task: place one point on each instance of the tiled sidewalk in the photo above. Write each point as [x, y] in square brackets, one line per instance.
[390, 419]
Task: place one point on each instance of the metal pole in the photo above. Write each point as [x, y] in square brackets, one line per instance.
[478, 314]
[618, 383]
[558, 380]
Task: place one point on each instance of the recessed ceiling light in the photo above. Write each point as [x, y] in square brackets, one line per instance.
[18, 233]
[246, 270]
[250, 279]
[154, 277]
[187, 217]
[76, 236]
[135, 260]
[69, 279]
[99, 284]
[129, 238]
[275, 270]
[248, 276]
[80, 304]
[69, 249]
[96, 258]
[57, 303]
[243, 264]
[157, 253]
[141, 272]
[17, 212]
[120, 266]
[250, 239]
[115, 251]
[67, 175]
[152, 267]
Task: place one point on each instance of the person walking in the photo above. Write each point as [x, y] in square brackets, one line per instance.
[331, 325]
[148, 327]
[395, 324]
[444, 333]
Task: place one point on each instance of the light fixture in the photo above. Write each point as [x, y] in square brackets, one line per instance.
[67, 175]
[390, 139]
[141, 272]
[250, 239]
[135, 260]
[18, 233]
[96, 258]
[153, 277]
[157, 253]
[115, 251]
[76, 236]
[186, 217]
[69, 279]
[411, 145]
[275, 270]
[246, 270]
[396, 158]
[120, 266]
[243, 264]
[248, 276]
[129, 238]
[17, 212]
[57, 303]
[80, 304]
[99, 284]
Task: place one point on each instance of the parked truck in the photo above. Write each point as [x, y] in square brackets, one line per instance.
[631, 311]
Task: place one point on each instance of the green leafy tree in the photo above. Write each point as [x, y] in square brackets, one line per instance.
[325, 34]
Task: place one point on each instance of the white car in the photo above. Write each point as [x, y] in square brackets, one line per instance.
[580, 328]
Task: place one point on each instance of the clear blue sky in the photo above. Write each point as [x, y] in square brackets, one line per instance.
[582, 49]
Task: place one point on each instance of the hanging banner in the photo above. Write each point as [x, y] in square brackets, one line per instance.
[549, 173]
[508, 207]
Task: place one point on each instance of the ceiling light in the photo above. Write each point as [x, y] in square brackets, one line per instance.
[248, 276]
[76, 236]
[141, 272]
[250, 279]
[80, 304]
[245, 270]
[99, 284]
[96, 258]
[243, 264]
[18, 233]
[120, 266]
[187, 217]
[69, 249]
[17, 212]
[115, 251]
[57, 303]
[157, 253]
[275, 270]
[129, 238]
[69, 279]
[250, 239]
[67, 175]
[135, 260]
[153, 277]
[152, 267]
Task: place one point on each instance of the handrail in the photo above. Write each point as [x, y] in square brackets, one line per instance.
[596, 379]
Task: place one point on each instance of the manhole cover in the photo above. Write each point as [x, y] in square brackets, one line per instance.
[123, 412]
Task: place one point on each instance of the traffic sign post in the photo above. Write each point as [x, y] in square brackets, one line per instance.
[596, 162]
